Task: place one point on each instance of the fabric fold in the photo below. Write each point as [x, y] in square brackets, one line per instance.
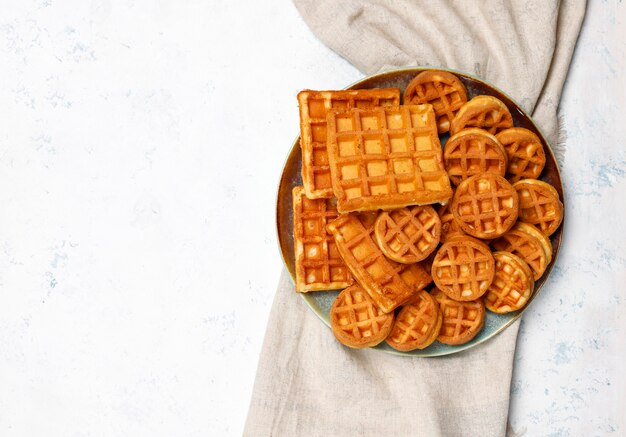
[307, 383]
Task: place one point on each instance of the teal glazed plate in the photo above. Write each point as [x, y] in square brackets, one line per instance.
[321, 301]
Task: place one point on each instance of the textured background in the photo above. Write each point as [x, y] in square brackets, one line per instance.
[140, 149]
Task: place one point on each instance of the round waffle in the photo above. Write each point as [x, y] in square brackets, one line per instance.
[512, 285]
[461, 320]
[539, 205]
[485, 206]
[463, 268]
[449, 227]
[485, 112]
[540, 236]
[529, 244]
[441, 89]
[525, 153]
[408, 235]
[356, 321]
[473, 151]
[417, 324]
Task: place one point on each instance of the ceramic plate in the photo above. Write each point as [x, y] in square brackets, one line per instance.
[321, 301]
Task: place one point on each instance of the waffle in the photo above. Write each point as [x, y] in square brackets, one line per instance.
[525, 152]
[416, 276]
[314, 106]
[473, 151]
[408, 235]
[485, 205]
[512, 285]
[539, 205]
[378, 275]
[485, 112]
[417, 324]
[448, 224]
[545, 242]
[356, 321]
[463, 268]
[529, 244]
[318, 264]
[441, 89]
[461, 320]
[386, 158]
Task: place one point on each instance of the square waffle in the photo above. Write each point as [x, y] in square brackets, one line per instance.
[314, 106]
[386, 157]
[318, 264]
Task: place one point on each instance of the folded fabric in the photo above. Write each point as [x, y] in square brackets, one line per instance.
[308, 384]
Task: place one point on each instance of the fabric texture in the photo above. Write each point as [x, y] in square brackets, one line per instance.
[307, 383]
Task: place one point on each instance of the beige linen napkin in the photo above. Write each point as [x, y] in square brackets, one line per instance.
[308, 384]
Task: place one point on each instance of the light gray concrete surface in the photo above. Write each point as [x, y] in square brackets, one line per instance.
[140, 149]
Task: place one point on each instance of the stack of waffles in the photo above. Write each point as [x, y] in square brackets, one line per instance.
[364, 221]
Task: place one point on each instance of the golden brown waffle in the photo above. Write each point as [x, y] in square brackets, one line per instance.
[356, 321]
[408, 235]
[449, 226]
[463, 268]
[461, 320]
[539, 205]
[545, 242]
[416, 276]
[529, 244]
[525, 153]
[473, 151]
[318, 264]
[485, 112]
[386, 158]
[441, 89]
[485, 205]
[314, 106]
[378, 275]
[512, 286]
[417, 324]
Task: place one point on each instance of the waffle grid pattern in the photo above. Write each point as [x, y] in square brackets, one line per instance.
[539, 206]
[386, 158]
[511, 287]
[415, 323]
[485, 206]
[314, 107]
[379, 276]
[445, 94]
[527, 247]
[491, 121]
[471, 152]
[358, 318]
[409, 234]
[318, 263]
[461, 320]
[463, 268]
[485, 112]
[525, 153]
